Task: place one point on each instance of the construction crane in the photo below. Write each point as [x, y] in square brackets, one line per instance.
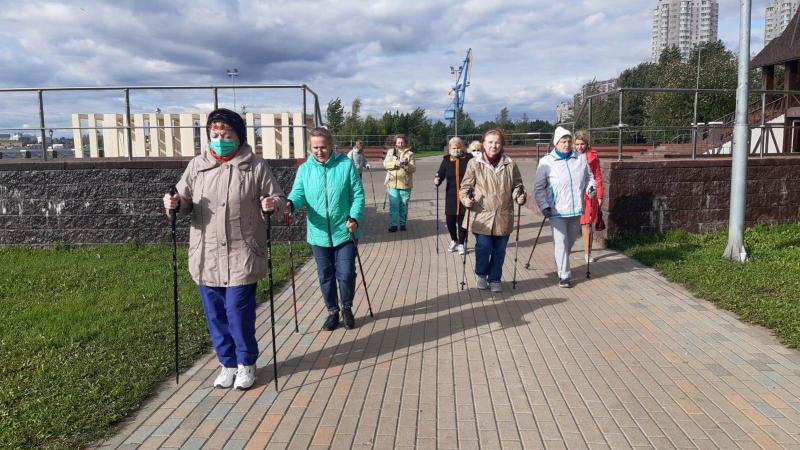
[462, 74]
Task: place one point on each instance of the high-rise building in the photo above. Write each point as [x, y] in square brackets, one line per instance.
[564, 112]
[593, 87]
[779, 13]
[684, 24]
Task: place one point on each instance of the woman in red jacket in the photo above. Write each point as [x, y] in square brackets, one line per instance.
[591, 206]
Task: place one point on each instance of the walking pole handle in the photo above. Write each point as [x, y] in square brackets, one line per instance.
[173, 191]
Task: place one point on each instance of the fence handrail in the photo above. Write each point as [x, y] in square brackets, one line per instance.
[318, 121]
[156, 87]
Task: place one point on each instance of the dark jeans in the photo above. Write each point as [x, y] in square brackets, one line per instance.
[231, 319]
[490, 251]
[452, 220]
[336, 266]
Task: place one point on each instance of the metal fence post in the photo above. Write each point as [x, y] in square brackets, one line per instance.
[128, 122]
[589, 124]
[216, 98]
[619, 129]
[41, 124]
[694, 119]
[763, 122]
[305, 127]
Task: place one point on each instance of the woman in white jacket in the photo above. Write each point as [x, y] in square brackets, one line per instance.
[562, 178]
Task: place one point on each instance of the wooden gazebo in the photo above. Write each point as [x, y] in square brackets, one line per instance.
[784, 50]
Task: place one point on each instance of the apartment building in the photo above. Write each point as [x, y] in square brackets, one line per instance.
[778, 14]
[684, 24]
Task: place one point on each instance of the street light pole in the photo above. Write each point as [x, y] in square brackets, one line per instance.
[233, 73]
[696, 88]
[740, 148]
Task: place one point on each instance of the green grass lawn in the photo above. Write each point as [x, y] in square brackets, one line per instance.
[86, 334]
[428, 153]
[764, 291]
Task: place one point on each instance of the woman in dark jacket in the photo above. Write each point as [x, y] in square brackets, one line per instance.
[452, 169]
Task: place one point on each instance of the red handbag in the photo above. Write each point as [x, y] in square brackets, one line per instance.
[600, 225]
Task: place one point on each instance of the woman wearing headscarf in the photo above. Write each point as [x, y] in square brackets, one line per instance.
[224, 190]
[491, 187]
[562, 178]
[452, 169]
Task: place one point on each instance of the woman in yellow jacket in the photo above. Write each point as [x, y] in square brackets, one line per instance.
[400, 167]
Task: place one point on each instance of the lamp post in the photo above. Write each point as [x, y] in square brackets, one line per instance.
[233, 73]
[52, 144]
[696, 90]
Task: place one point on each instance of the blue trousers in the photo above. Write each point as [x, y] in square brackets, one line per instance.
[231, 319]
[490, 252]
[398, 206]
[336, 266]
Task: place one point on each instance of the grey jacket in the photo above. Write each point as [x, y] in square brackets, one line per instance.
[227, 239]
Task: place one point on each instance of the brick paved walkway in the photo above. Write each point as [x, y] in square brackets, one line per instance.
[623, 360]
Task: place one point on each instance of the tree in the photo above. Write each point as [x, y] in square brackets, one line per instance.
[352, 124]
[502, 118]
[335, 115]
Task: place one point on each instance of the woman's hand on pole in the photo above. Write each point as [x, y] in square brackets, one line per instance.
[522, 198]
[437, 181]
[268, 204]
[352, 226]
[171, 201]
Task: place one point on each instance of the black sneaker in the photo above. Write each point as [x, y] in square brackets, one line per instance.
[392, 229]
[332, 322]
[402, 228]
[349, 320]
[564, 283]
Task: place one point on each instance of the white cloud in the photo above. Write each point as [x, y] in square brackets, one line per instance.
[528, 54]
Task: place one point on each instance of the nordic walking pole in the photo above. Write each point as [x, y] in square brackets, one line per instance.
[516, 250]
[437, 219]
[372, 182]
[528, 264]
[268, 217]
[591, 233]
[470, 195]
[361, 269]
[291, 272]
[173, 217]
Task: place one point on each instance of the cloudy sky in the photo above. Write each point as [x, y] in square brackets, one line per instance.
[528, 54]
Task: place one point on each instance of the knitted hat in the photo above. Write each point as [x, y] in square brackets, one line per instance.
[560, 133]
[230, 118]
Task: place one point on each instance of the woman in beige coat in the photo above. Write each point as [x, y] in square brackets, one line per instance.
[490, 187]
[224, 190]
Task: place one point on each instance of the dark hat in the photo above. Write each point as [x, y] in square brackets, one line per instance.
[230, 118]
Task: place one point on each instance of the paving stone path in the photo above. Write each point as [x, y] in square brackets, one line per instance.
[623, 360]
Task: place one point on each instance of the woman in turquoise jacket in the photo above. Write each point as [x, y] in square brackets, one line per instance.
[329, 186]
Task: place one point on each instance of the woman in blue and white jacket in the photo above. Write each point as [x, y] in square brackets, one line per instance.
[562, 178]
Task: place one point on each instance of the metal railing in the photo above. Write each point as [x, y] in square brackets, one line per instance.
[758, 114]
[126, 90]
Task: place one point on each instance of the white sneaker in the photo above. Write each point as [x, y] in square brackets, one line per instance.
[495, 286]
[588, 259]
[225, 378]
[461, 249]
[452, 247]
[245, 377]
[481, 282]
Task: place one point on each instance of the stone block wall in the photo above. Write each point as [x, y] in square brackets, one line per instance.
[78, 202]
[694, 195]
